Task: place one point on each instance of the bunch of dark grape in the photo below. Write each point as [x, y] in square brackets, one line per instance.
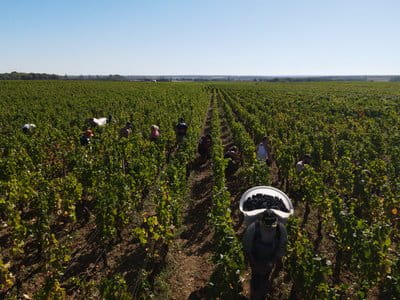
[259, 201]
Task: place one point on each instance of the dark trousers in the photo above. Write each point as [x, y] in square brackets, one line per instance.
[259, 285]
[261, 278]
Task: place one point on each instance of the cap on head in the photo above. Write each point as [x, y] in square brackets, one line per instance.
[268, 218]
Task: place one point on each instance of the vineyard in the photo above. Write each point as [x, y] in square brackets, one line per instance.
[132, 218]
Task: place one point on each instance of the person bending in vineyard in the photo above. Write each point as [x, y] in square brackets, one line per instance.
[28, 128]
[262, 151]
[86, 136]
[99, 122]
[126, 131]
[204, 148]
[264, 243]
[154, 133]
[300, 166]
[181, 130]
[235, 160]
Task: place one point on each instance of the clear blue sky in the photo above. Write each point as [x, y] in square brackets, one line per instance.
[232, 37]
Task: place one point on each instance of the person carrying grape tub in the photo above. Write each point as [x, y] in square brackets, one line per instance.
[264, 244]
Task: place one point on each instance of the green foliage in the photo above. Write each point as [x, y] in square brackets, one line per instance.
[308, 270]
[48, 180]
[51, 290]
[228, 255]
[350, 131]
[115, 288]
[7, 278]
[51, 181]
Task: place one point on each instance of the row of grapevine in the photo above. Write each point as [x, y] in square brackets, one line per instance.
[228, 256]
[49, 180]
[353, 190]
[159, 227]
[62, 203]
[258, 170]
[305, 276]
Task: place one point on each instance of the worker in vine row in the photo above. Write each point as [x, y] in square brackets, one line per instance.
[126, 131]
[28, 128]
[181, 130]
[86, 136]
[234, 160]
[204, 148]
[154, 133]
[264, 243]
[300, 165]
[99, 122]
[262, 151]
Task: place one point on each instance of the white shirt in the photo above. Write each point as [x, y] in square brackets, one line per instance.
[100, 121]
[29, 126]
[300, 166]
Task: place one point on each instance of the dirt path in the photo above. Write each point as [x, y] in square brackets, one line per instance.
[190, 258]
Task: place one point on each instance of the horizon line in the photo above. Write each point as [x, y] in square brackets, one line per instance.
[209, 75]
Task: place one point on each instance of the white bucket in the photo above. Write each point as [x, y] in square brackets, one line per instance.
[252, 215]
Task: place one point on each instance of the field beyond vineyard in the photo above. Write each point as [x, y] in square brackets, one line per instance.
[137, 219]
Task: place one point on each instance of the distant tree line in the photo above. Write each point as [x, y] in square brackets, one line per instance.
[44, 76]
[29, 76]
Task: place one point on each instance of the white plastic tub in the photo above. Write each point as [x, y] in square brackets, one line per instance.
[252, 215]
